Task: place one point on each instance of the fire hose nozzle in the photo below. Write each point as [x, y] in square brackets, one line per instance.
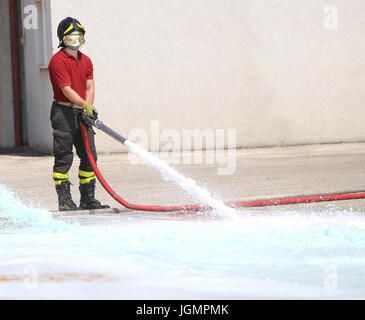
[100, 125]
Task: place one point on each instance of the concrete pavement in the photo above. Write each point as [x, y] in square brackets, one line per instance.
[259, 173]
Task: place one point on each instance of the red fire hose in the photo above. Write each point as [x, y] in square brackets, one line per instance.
[254, 203]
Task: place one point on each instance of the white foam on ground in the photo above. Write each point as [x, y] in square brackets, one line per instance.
[277, 255]
[13, 212]
[274, 255]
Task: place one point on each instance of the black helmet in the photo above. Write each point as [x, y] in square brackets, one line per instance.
[67, 26]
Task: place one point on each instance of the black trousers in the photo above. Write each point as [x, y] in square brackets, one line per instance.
[66, 134]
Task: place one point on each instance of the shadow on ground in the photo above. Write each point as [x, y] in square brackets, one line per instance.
[24, 151]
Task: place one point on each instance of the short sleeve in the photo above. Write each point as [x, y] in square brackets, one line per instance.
[59, 74]
[89, 70]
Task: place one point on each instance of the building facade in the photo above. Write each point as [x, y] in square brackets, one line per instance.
[278, 72]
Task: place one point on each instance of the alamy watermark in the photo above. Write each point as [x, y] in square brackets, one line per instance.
[30, 17]
[30, 277]
[330, 281]
[330, 21]
[188, 146]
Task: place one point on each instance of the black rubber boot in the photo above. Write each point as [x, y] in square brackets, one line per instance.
[87, 200]
[65, 202]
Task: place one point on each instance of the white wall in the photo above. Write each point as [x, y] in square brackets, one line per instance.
[267, 68]
[7, 135]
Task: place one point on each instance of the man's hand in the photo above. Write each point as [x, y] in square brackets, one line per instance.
[90, 110]
[74, 97]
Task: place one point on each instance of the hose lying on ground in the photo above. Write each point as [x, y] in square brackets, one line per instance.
[153, 208]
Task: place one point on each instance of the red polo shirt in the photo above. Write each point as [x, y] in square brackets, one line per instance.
[64, 70]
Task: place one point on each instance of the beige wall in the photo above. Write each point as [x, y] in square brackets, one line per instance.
[6, 87]
[267, 68]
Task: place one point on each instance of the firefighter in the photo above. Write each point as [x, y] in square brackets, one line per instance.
[71, 75]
